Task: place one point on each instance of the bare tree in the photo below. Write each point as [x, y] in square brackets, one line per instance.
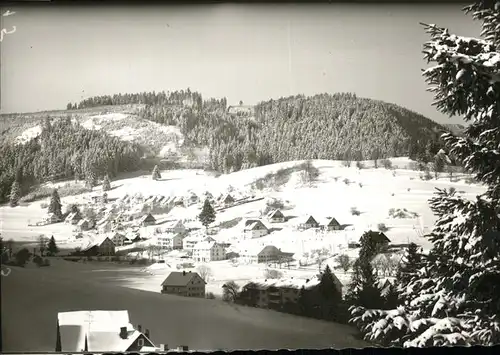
[42, 244]
[205, 272]
[230, 291]
[344, 261]
[272, 274]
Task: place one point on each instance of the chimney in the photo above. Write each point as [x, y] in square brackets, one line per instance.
[123, 333]
[164, 347]
[184, 273]
[139, 328]
[182, 348]
[146, 333]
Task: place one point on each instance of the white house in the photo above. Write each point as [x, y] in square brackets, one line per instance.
[169, 240]
[254, 228]
[260, 254]
[208, 251]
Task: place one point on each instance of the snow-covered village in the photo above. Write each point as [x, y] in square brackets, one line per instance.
[169, 220]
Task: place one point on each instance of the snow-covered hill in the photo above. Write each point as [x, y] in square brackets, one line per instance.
[337, 191]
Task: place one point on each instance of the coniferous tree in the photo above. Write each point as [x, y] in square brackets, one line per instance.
[156, 173]
[106, 184]
[454, 298]
[207, 214]
[15, 194]
[52, 248]
[55, 204]
[329, 293]
[363, 290]
[90, 178]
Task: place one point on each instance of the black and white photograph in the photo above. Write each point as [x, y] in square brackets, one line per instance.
[249, 176]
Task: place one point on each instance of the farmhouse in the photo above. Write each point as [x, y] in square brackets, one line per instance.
[85, 224]
[206, 251]
[308, 222]
[188, 284]
[279, 293]
[73, 218]
[276, 216]
[260, 254]
[254, 228]
[147, 220]
[102, 246]
[227, 200]
[190, 241]
[169, 240]
[332, 225]
[175, 227]
[99, 331]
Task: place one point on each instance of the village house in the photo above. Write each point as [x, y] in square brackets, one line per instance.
[332, 225]
[276, 216]
[254, 228]
[308, 222]
[102, 246]
[192, 199]
[105, 227]
[190, 241]
[278, 293]
[175, 227]
[260, 254]
[178, 201]
[118, 239]
[85, 224]
[147, 220]
[73, 218]
[188, 284]
[232, 255]
[100, 331]
[380, 239]
[169, 241]
[227, 200]
[206, 251]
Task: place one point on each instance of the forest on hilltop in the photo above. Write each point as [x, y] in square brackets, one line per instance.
[339, 126]
[64, 150]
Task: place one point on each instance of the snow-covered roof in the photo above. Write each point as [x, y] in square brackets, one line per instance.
[286, 283]
[101, 328]
[82, 221]
[307, 219]
[72, 216]
[173, 224]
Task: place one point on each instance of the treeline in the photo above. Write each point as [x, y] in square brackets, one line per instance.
[179, 97]
[339, 126]
[64, 150]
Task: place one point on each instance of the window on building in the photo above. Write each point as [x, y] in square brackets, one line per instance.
[140, 342]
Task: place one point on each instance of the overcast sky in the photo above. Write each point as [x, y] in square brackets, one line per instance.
[243, 52]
